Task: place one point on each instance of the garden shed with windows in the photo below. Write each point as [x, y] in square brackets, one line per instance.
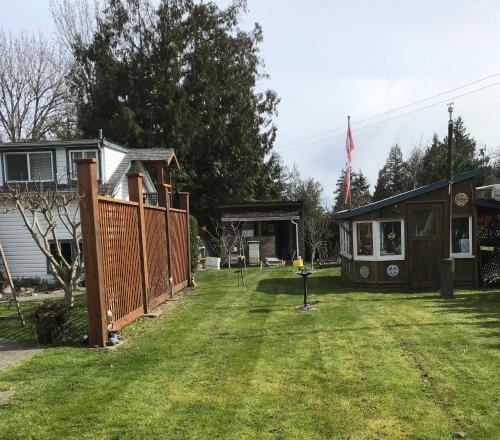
[401, 240]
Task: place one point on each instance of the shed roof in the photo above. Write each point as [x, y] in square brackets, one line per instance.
[261, 211]
[348, 213]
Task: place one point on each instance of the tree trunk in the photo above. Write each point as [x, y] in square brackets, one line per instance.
[313, 253]
[68, 295]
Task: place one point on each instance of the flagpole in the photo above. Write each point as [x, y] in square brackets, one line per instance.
[350, 167]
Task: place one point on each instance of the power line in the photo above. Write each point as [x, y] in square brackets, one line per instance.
[393, 117]
[342, 127]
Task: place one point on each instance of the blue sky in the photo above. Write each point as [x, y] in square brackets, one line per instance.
[328, 59]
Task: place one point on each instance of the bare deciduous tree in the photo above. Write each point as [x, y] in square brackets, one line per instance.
[44, 211]
[226, 237]
[33, 92]
[317, 230]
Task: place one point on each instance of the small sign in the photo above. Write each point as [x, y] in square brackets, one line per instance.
[392, 270]
[461, 199]
[364, 271]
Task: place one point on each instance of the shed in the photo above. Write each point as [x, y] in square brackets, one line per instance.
[401, 240]
[275, 227]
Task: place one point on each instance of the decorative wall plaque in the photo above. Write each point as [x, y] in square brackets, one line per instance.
[392, 270]
[461, 199]
[364, 271]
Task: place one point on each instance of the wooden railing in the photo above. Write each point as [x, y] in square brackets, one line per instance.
[136, 255]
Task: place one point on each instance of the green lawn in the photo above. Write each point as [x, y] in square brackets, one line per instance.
[10, 325]
[241, 363]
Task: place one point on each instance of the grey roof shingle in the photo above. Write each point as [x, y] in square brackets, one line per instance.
[139, 154]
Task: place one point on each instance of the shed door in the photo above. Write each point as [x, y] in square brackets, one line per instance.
[425, 239]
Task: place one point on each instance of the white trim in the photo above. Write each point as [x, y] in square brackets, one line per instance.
[71, 161]
[27, 154]
[469, 254]
[376, 256]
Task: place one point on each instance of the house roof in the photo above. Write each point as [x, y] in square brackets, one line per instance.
[141, 155]
[348, 213]
[66, 143]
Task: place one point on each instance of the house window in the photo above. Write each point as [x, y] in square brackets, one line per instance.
[364, 239]
[80, 154]
[26, 167]
[461, 237]
[345, 242]
[66, 251]
[390, 238]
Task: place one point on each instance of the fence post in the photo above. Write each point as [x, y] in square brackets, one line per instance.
[91, 237]
[184, 204]
[164, 201]
[135, 195]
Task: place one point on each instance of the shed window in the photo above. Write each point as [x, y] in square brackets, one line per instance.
[424, 222]
[390, 238]
[364, 238]
[345, 242]
[25, 167]
[461, 243]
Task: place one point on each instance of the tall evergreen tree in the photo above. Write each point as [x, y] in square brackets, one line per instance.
[183, 75]
[393, 178]
[465, 157]
[360, 191]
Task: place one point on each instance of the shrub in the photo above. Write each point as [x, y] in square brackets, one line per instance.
[195, 242]
[50, 322]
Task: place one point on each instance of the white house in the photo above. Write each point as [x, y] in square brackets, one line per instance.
[53, 161]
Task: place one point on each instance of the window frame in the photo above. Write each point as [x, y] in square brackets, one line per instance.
[345, 240]
[376, 241]
[469, 254]
[399, 257]
[27, 154]
[72, 171]
[355, 241]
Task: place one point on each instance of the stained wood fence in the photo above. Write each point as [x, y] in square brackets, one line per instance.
[136, 255]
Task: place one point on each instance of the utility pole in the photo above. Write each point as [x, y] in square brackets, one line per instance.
[448, 264]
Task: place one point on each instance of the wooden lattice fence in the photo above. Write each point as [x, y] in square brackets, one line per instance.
[136, 255]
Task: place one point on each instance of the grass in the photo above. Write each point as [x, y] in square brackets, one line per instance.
[10, 325]
[241, 363]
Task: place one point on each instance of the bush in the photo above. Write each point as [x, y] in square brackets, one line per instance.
[195, 242]
[50, 322]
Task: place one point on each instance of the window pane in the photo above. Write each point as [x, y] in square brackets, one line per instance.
[90, 154]
[17, 166]
[390, 238]
[460, 236]
[76, 155]
[364, 238]
[41, 166]
[425, 222]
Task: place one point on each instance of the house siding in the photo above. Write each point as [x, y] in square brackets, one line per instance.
[112, 159]
[24, 258]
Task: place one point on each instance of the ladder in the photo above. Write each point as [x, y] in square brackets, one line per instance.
[11, 284]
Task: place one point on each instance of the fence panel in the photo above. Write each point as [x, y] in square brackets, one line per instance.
[121, 260]
[156, 246]
[131, 251]
[179, 248]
